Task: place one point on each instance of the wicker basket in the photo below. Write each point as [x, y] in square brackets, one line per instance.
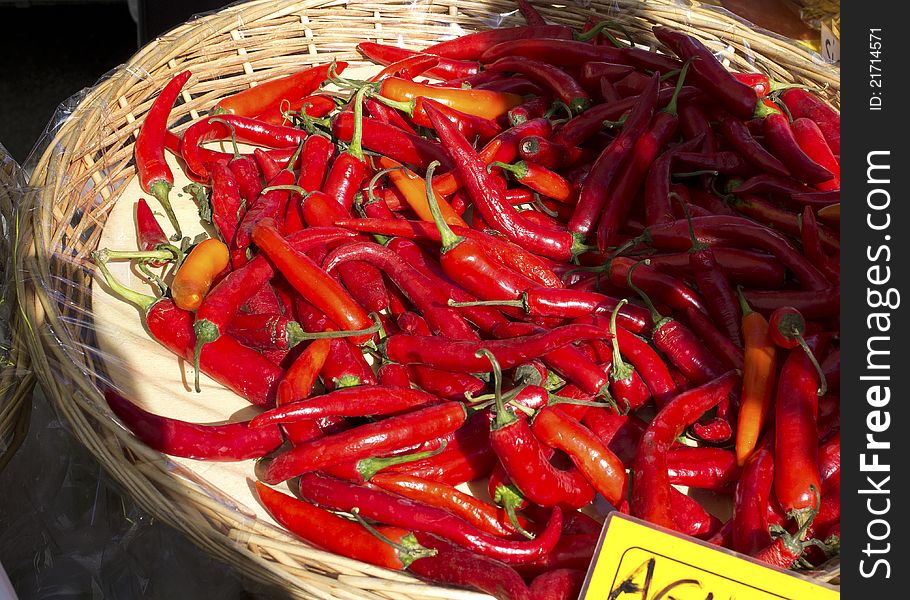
[16, 380]
[78, 174]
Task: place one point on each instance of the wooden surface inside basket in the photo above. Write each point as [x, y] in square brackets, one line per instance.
[87, 163]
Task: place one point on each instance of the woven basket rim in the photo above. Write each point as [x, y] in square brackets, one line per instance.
[68, 164]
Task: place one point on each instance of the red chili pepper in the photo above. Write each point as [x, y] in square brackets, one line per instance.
[804, 103]
[557, 81]
[240, 369]
[246, 129]
[534, 108]
[472, 45]
[741, 232]
[397, 549]
[562, 52]
[657, 193]
[811, 140]
[395, 510]
[787, 548]
[288, 111]
[621, 433]
[703, 468]
[155, 176]
[486, 517]
[364, 441]
[224, 442]
[591, 198]
[780, 138]
[405, 147]
[744, 267]
[588, 453]
[811, 237]
[690, 517]
[592, 72]
[750, 505]
[460, 567]
[149, 234]
[558, 584]
[709, 73]
[314, 284]
[539, 150]
[737, 133]
[430, 65]
[796, 448]
[650, 499]
[530, 13]
[526, 461]
[813, 304]
[259, 98]
[573, 551]
[488, 198]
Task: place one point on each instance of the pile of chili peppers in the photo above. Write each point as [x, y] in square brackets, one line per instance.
[573, 269]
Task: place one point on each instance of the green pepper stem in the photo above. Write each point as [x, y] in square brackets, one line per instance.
[167, 252]
[405, 107]
[143, 301]
[233, 131]
[510, 499]
[621, 370]
[656, 317]
[448, 238]
[697, 246]
[296, 334]
[504, 416]
[368, 467]
[743, 303]
[161, 190]
[822, 381]
[355, 148]
[673, 106]
[408, 552]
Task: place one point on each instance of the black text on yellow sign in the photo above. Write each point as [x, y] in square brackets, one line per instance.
[637, 561]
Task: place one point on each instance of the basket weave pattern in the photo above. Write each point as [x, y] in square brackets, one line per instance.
[88, 158]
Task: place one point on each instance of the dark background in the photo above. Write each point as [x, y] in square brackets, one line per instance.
[51, 50]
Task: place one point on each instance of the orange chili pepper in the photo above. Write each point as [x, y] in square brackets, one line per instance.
[481, 103]
[414, 189]
[759, 374]
[196, 274]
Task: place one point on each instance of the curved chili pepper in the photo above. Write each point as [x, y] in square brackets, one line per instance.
[591, 199]
[481, 103]
[796, 456]
[318, 151]
[703, 468]
[742, 232]
[149, 234]
[266, 94]
[803, 103]
[750, 505]
[396, 549]
[459, 355]
[461, 567]
[224, 442]
[812, 142]
[366, 440]
[657, 194]
[588, 453]
[780, 138]
[626, 188]
[240, 369]
[288, 111]
[787, 548]
[484, 516]
[621, 433]
[525, 460]
[562, 52]
[359, 401]
[737, 133]
[247, 129]
[314, 284]
[395, 510]
[744, 267]
[227, 204]
[405, 147]
[436, 66]
[394, 375]
[573, 551]
[650, 499]
[540, 179]
[472, 45]
[416, 287]
[690, 517]
[155, 176]
[557, 81]
[709, 73]
[534, 108]
[268, 166]
[488, 199]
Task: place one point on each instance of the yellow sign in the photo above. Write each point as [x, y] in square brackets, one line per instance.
[638, 561]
